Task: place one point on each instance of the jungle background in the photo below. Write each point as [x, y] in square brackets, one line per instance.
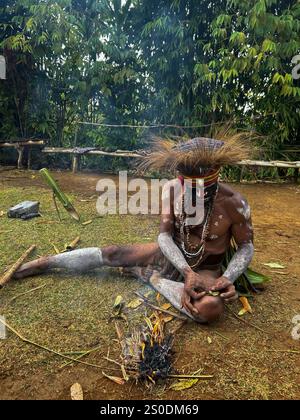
[159, 63]
[133, 62]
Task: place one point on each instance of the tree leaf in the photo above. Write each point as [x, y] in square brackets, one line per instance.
[182, 385]
[246, 305]
[166, 306]
[243, 312]
[114, 379]
[274, 265]
[134, 303]
[118, 302]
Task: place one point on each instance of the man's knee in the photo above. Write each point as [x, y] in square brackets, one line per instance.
[209, 309]
[112, 255]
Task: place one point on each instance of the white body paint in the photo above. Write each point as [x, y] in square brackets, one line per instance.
[172, 252]
[171, 290]
[245, 210]
[81, 260]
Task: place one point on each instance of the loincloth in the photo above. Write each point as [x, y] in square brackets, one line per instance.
[166, 269]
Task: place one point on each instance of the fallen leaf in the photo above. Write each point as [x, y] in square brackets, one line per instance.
[124, 373]
[182, 385]
[149, 323]
[55, 249]
[1, 213]
[166, 306]
[118, 302]
[243, 312]
[246, 304]
[134, 303]
[209, 340]
[76, 392]
[214, 294]
[87, 223]
[158, 297]
[168, 319]
[114, 379]
[274, 265]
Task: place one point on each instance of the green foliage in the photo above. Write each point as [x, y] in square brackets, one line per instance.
[180, 62]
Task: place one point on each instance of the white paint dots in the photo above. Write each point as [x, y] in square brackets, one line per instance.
[245, 211]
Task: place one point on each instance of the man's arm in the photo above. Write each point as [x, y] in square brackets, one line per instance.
[242, 231]
[165, 238]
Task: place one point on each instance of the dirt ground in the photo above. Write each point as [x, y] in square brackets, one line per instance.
[70, 313]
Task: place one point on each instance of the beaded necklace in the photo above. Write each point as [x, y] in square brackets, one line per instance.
[185, 231]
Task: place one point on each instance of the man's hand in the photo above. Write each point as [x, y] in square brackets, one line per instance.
[194, 288]
[227, 289]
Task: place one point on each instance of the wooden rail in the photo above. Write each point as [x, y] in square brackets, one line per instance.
[76, 156]
[20, 145]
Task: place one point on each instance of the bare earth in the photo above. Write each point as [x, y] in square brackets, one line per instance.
[71, 312]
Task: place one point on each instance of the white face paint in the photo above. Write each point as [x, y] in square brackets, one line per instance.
[221, 217]
[213, 237]
[216, 223]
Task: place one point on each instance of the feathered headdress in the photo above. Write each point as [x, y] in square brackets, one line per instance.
[201, 152]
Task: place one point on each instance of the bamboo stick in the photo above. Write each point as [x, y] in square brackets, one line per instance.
[157, 308]
[9, 274]
[59, 194]
[73, 244]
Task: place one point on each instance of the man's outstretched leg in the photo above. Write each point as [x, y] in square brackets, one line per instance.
[87, 259]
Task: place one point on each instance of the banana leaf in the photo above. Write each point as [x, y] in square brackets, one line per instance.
[249, 281]
[59, 194]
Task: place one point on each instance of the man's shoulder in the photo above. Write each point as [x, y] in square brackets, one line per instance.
[235, 203]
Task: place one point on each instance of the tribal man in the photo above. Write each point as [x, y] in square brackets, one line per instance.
[185, 265]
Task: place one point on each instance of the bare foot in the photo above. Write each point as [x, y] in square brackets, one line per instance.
[32, 268]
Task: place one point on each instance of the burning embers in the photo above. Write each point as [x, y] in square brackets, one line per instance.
[147, 353]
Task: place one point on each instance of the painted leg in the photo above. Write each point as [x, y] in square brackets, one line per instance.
[87, 259]
[209, 308]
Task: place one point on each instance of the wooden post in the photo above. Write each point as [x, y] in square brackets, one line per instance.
[296, 174]
[20, 150]
[29, 158]
[75, 163]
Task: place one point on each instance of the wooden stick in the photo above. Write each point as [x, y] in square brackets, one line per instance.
[284, 351]
[191, 376]
[25, 293]
[72, 245]
[157, 308]
[245, 322]
[81, 354]
[9, 274]
[21, 337]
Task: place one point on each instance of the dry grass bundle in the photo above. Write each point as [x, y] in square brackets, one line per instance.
[230, 147]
